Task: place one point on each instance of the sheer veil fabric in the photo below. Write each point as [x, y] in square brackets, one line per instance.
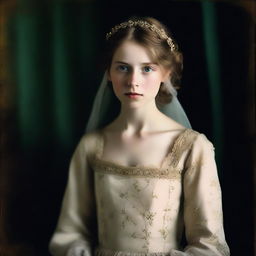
[103, 101]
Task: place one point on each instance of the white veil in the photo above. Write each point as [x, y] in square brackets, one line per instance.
[104, 97]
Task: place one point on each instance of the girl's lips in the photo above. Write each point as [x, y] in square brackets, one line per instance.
[133, 95]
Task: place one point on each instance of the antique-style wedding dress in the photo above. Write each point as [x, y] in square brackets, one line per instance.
[143, 210]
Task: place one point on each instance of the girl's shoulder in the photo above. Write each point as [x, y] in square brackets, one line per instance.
[192, 138]
[91, 136]
[200, 140]
[90, 141]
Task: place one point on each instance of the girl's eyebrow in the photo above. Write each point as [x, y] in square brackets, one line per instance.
[144, 63]
[149, 63]
[121, 62]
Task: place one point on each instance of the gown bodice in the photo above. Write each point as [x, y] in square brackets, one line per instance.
[144, 210]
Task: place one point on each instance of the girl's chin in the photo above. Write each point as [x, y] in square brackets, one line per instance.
[133, 104]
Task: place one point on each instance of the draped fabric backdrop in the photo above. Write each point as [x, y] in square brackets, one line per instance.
[54, 53]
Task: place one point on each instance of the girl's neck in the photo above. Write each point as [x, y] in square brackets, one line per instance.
[138, 121]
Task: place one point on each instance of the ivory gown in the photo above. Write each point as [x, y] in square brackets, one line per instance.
[143, 210]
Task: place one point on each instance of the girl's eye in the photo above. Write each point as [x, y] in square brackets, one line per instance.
[147, 69]
[123, 68]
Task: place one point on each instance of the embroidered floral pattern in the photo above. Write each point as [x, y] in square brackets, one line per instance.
[126, 219]
[149, 217]
[164, 231]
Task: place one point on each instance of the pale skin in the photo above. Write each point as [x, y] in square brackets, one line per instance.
[141, 134]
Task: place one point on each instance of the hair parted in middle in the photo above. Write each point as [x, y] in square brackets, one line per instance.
[154, 36]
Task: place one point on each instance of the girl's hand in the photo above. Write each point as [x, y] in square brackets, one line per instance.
[79, 248]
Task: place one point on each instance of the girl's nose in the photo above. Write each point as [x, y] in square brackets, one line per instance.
[134, 78]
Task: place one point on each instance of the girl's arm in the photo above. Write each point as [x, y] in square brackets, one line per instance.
[74, 228]
[202, 203]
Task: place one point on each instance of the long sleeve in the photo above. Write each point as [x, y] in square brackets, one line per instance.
[202, 203]
[77, 217]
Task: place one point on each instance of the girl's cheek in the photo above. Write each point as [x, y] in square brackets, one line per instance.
[116, 84]
[117, 87]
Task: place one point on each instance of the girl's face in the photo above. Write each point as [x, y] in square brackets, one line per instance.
[135, 78]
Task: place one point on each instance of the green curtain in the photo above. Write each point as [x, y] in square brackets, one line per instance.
[32, 108]
[54, 57]
[211, 39]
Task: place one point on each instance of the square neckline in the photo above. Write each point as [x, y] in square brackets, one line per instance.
[171, 151]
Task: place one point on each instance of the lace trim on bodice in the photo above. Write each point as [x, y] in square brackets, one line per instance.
[167, 170]
[183, 142]
[140, 171]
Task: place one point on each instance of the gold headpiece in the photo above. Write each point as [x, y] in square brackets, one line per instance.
[143, 24]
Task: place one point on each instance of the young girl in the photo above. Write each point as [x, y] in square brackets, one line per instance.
[138, 184]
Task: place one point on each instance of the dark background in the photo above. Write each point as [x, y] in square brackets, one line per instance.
[53, 52]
